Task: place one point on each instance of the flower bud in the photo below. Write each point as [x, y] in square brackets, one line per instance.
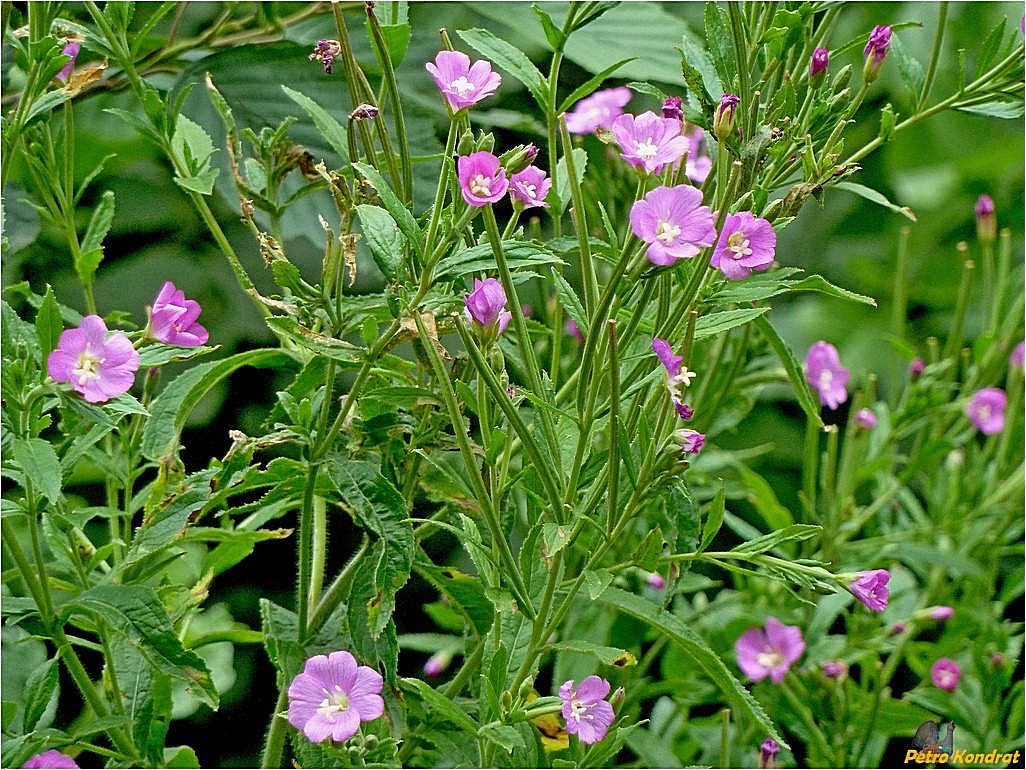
[673, 108]
[986, 222]
[835, 669]
[915, 369]
[466, 145]
[723, 118]
[768, 753]
[865, 418]
[875, 52]
[485, 143]
[818, 67]
[617, 698]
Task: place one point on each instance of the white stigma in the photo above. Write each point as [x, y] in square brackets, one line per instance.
[88, 367]
[579, 710]
[769, 659]
[826, 379]
[738, 245]
[462, 86]
[646, 150]
[335, 702]
[667, 232]
[530, 190]
[481, 185]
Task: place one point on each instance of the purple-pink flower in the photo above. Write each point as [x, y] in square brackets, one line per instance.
[824, 372]
[529, 187]
[597, 111]
[698, 163]
[673, 221]
[673, 107]
[173, 318]
[865, 418]
[333, 696]
[835, 668]
[97, 366]
[437, 663]
[51, 758]
[482, 178]
[769, 651]
[915, 369]
[875, 51]
[649, 141]
[691, 441]
[71, 48]
[657, 581]
[768, 753]
[486, 306]
[574, 330]
[673, 364]
[870, 588]
[1017, 357]
[461, 84]
[587, 714]
[684, 411]
[986, 410]
[986, 222]
[946, 674]
[745, 244]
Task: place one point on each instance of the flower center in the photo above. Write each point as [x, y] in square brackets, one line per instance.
[579, 710]
[335, 702]
[983, 412]
[769, 659]
[88, 367]
[530, 190]
[481, 185]
[667, 232]
[646, 150]
[461, 85]
[737, 245]
[826, 379]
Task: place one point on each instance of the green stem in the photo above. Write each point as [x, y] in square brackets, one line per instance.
[320, 547]
[392, 90]
[954, 343]
[339, 588]
[443, 178]
[580, 220]
[899, 311]
[274, 747]
[614, 427]
[931, 70]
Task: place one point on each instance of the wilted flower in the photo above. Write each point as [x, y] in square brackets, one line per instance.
[672, 363]
[173, 318]
[684, 411]
[870, 588]
[325, 52]
[723, 118]
[97, 366]
[986, 410]
[875, 51]
[649, 141]
[482, 178]
[941, 612]
[818, 65]
[461, 84]
[597, 111]
[71, 48]
[745, 244]
[768, 753]
[824, 372]
[986, 222]
[673, 221]
[865, 418]
[1016, 358]
[52, 759]
[333, 696]
[529, 188]
[691, 441]
[587, 715]
[770, 652]
[673, 108]
[364, 112]
[946, 674]
[485, 306]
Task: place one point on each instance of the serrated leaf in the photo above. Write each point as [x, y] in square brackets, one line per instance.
[713, 521]
[168, 523]
[159, 354]
[383, 237]
[555, 538]
[596, 581]
[40, 689]
[440, 706]
[607, 656]
[402, 216]
[48, 324]
[511, 59]
[38, 460]
[714, 323]
[696, 649]
[591, 85]
[99, 222]
[1005, 110]
[875, 197]
[909, 68]
[808, 402]
[332, 131]
[570, 302]
[721, 47]
[202, 183]
[562, 186]
[505, 737]
[519, 255]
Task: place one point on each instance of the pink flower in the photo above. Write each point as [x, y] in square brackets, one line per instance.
[946, 674]
[574, 330]
[437, 663]
[691, 441]
[942, 612]
[486, 304]
[51, 758]
[875, 51]
[482, 179]
[97, 366]
[597, 111]
[333, 696]
[745, 244]
[587, 715]
[770, 652]
[173, 319]
[675, 224]
[915, 369]
[649, 141]
[71, 48]
[657, 581]
[768, 753]
[824, 372]
[865, 418]
[529, 188]
[870, 588]
[461, 84]
[673, 364]
[1016, 358]
[986, 410]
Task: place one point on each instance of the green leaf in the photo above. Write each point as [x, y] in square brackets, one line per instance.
[511, 59]
[91, 252]
[168, 524]
[440, 706]
[553, 33]
[397, 40]
[38, 461]
[368, 605]
[1006, 110]
[40, 689]
[809, 403]
[607, 656]
[714, 323]
[519, 255]
[332, 131]
[505, 737]
[795, 532]
[339, 350]
[146, 694]
[48, 323]
[180, 757]
[713, 521]
[159, 354]
[721, 47]
[192, 145]
[562, 188]
[760, 287]
[909, 68]
[761, 495]
[169, 412]
[383, 238]
[404, 219]
[875, 197]
[591, 85]
[570, 301]
[554, 537]
[8, 710]
[696, 649]
[202, 183]
[136, 612]
[464, 591]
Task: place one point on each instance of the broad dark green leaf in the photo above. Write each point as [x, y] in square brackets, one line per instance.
[39, 690]
[720, 44]
[440, 706]
[39, 462]
[383, 237]
[332, 131]
[505, 737]
[167, 524]
[809, 403]
[368, 605]
[909, 68]
[147, 696]
[402, 216]
[159, 354]
[465, 591]
[695, 648]
[511, 59]
[607, 656]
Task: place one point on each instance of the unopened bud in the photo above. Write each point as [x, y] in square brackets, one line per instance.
[617, 698]
[723, 118]
[673, 108]
[519, 158]
[818, 66]
[986, 222]
[465, 146]
[875, 52]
